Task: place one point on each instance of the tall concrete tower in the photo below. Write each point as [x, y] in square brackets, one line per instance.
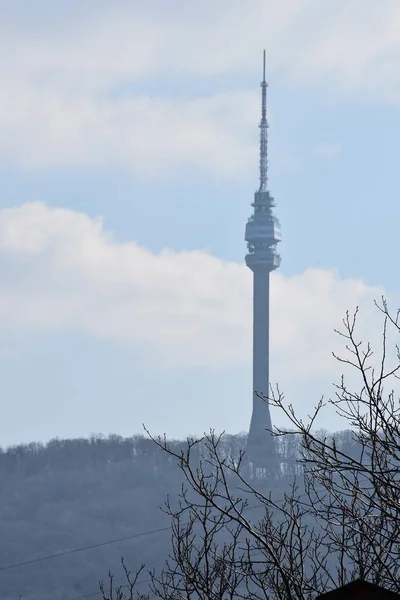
[262, 235]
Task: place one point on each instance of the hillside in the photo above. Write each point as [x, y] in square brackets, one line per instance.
[69, 494]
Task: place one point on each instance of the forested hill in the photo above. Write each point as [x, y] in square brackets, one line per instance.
[69, 494]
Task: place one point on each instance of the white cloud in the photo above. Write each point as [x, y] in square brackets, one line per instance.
[128, 41]
[74, 88]
[61, 270]
[49, 130]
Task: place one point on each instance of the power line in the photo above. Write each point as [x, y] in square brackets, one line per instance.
[99, 545]
[92, 594]
[91, 547]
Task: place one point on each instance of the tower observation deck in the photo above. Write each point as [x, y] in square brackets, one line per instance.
[262, 235]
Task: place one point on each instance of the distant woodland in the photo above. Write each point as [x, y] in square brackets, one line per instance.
[68, 494]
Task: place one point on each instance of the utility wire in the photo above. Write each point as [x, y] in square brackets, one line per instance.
[99, 545]
[90, 595]
[58, 554]
[92, 546]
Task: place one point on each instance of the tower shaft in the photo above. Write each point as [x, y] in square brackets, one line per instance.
[262, 236]
[260, 420]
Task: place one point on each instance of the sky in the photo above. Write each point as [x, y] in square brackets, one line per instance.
[128, 163]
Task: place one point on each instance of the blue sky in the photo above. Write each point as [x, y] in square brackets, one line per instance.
[128, 161]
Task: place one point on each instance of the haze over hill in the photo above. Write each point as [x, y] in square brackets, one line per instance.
[74, 493]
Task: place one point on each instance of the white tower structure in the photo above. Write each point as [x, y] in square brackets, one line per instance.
[262, 235]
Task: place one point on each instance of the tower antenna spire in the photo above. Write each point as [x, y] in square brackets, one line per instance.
[264, 54]
[263, 132]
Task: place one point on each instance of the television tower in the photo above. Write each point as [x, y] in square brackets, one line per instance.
[262, 235]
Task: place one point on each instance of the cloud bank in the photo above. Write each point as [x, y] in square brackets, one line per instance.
[63, 271]
[132, 84]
